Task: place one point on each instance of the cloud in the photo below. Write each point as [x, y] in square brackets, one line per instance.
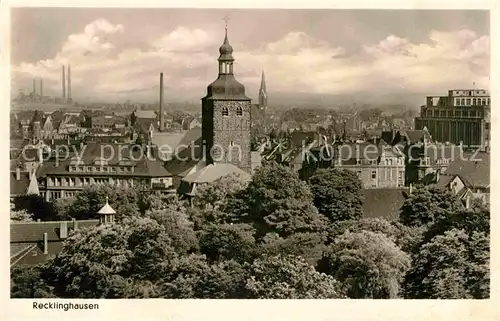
[296, 62]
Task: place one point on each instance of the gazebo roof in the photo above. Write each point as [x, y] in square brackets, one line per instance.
[106, 209]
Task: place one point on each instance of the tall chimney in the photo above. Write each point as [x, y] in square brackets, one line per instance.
[69, 82]
[162, 121]
[18, 173]
[63, 84]
[34, 86]
[41, 87]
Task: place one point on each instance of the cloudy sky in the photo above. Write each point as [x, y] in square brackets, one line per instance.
[117, 54]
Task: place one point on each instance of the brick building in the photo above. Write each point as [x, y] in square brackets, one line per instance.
[461, 117]
[226, 116]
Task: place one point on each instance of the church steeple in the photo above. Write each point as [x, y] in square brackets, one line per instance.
[226, 56]
[226, 86]
[262, 93]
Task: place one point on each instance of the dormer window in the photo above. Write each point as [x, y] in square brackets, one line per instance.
[225, 111]
[239, 111]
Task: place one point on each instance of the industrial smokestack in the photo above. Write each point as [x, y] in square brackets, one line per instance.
[162, 121]
[69, 82]
[34, 86]
[63, 84]
[41, 87]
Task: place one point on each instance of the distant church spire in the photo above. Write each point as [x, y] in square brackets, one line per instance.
[263, 92]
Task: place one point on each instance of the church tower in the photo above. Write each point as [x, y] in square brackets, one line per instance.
[263, 94]
[226, 116]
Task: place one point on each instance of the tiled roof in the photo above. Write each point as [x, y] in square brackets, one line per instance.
[185, 159]
[435, 152]
[213, 172]
[362, 150]
[384, 203]
[144, 166]
[473, 169]
[151, 168]
[145, 114]
[29, 232]
[168, 140]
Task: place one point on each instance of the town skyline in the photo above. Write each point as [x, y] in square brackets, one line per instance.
[373, 52]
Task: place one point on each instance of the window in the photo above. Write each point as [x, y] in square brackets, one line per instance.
[436, 113]
[239, 111]
[374, 174]
[473, 113]
[450, 113]
[457, 113]
[474, 101]
[488, 101]
[443, 113]
[468, 101]
[463, 101]
[225, 111]
[458, 102]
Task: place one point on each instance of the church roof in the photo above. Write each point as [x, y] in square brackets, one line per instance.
[226, 87]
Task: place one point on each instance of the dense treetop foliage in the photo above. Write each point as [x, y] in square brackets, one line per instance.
[273, 237]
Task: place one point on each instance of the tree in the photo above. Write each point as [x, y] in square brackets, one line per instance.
[228, 242]
[309, 246]
[475, 219]
[451, 266]
[368, 264]
[425, 205]
[178, 227]
[338, 194]
[20, 216]
[109, 260]
[281, 203]
[29, 282]
[90, 200]
[63, 206]
[192, 277]
[36, 206]
[216, 194]
[289, 277]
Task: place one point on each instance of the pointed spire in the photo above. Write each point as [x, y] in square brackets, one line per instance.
[263, 82]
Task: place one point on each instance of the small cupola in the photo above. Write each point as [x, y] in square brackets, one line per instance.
[106, 213]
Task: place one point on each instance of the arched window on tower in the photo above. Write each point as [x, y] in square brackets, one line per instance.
[239, 111]
[225, 111]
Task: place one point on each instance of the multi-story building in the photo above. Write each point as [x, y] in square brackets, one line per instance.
[377, 166]
[99, 164]
[462, 117]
